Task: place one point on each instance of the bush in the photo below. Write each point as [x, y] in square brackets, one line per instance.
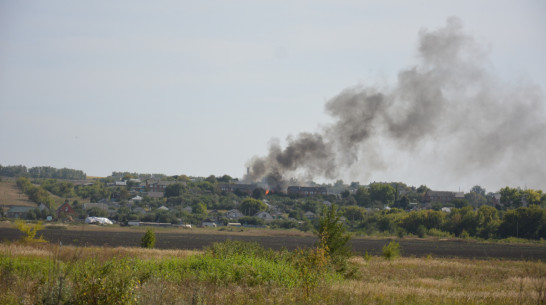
[29, 231]
[421, 231]
[148, 240]
[391, 250]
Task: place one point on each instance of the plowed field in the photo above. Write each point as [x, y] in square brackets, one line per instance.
[196, 240]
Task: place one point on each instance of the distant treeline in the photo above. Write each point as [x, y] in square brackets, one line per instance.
[41, 172]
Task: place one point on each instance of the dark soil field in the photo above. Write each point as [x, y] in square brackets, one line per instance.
[197, 240]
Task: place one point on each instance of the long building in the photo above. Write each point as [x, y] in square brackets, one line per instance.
[307, 190]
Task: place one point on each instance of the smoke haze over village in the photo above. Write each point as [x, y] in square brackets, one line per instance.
[448, 110]
[447, 96]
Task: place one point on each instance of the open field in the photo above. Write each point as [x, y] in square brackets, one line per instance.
[196, 239]
[46, 273]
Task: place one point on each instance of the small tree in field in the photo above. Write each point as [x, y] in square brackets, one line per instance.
[332, 234]
[148, 240]
[391, 250]
[29, 231]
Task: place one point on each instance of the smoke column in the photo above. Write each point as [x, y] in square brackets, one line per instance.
[449, 107]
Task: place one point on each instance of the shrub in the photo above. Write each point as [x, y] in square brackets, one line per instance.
[421, 231]
[29, 231]
[391, 250]
[148, 240]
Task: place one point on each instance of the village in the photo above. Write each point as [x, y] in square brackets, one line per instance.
[132, 199]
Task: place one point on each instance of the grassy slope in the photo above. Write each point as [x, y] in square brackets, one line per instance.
[10, 194]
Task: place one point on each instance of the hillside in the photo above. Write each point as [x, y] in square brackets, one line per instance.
[10, 194]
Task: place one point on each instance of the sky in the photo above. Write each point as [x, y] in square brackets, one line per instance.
[202, 87]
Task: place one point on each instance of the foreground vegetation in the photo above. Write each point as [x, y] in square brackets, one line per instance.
[240, 273]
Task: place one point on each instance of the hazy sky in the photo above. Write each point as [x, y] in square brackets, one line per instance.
[200, 87]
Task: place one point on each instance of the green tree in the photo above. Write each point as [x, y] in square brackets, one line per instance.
[488, 222]
[332, 234]
[175, 189]
[97, 212]
[402, 203]
[362, 196]
[211, 179]
[258, 193]
[422, 189]
[510, 197]
[148, 240]
[532, 196]
[353, 213]
[225, 179]
[199, 208]
[382, 193]
[476, 189]
[251, 206]
[475, 199]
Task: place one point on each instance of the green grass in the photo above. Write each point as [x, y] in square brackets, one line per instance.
[245, 273]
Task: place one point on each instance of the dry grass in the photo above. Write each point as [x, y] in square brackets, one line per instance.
[10, 194]
[449, 281]
[400, 281]
[66, 253]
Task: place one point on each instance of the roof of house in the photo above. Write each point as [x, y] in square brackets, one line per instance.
[262, 214]
[64, 205]
[306, 189]
[155, 194]
[20, 209]
[440, 193]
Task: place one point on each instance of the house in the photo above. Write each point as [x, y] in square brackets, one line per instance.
[442, 196]
[264, 216]
[139, 210]
[276, 215]
[233, 214]
[120, 183]
[306, 190]
[239, 188]
[446, 209]
[155, 194]
[310, 215]
[19, 211]
[65, 210]
[208, 223]
[137, 198]
[163, 208]
[154, 185]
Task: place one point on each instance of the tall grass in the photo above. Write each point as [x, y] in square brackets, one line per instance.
[242, 273]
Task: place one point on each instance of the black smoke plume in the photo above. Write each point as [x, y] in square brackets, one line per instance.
[448, 107]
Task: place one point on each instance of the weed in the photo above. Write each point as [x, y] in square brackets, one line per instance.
[391, 250]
